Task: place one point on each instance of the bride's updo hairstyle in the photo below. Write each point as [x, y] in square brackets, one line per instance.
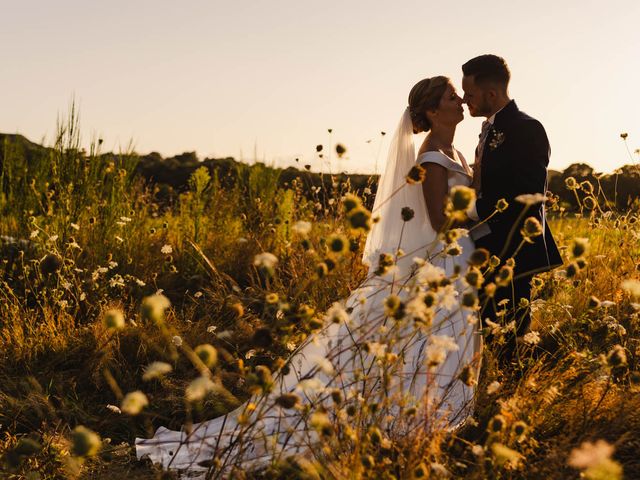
[425, 95]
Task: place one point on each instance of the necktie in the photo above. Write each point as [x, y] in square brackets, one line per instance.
[486, 126]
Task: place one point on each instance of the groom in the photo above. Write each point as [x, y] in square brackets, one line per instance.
[511, 160]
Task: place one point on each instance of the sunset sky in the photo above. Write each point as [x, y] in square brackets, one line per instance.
[234, 78]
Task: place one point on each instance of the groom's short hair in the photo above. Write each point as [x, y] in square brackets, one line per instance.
[488, 69]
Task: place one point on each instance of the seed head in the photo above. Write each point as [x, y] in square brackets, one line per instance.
[417, 174]
[479, 258]
[502, 205]
[113, 319]
[208, 354]
[407, 213]
[85, 442]
[134, 402]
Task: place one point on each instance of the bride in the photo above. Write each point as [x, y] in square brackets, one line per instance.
[405, 341]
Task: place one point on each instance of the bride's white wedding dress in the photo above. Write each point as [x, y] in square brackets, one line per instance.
[355, 353]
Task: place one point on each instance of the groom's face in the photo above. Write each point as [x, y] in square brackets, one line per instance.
[476, 97]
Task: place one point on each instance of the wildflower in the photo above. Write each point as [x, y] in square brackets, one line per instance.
[531, 198]
[479, 257]
[153, 307]
[311, 386]
[360, 219]
[502, 205]
[301, 228]
[572, 270]
[520, 429]
[477, 450]
[595, 459]
[323, 364]
[176, 340]
[166, 249]
[288, 400]
[407, 213]
[420, 471]
[497, 423]
[417, 174]
[624, 135]
[113, 319]
[494, 261]
[571, 183]
[468, 376]
[338, 244]
[493, 387]
[207, 353]
[632, 287]
[504, 276]
[134, 402]
[265, 260]
[51, 263]
[340, 150]
[156, 370]
[469, 300]
[504, 455]
[114, 409]
[85, 442]
[532, 338]
[531, 228]
[384, 263]
[590, 202]
[580, 247]
[319, 148]
[376, 349]
[75, 226]
[417, 310]
[320, 422]
[454, 250]
[351, 202]
[367, 461]
[587, 187]
[617, 357]
[461, 198]
[198, 389]
[337, 314]
[474, 277]
[490, 289]
[429, 274]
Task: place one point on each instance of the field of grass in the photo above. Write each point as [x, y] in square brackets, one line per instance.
[99, 279]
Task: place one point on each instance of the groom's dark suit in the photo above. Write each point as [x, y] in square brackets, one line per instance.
[514, 162]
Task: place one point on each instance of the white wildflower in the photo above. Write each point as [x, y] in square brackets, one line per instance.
[265, 259]
[337, 314]
[250, 354]
[156, 370]
[125, 219]
[75, 226]
[114, 408]
[134, 402]
[532, 338]
[198, 388]
[377, 349]
[493, 387]
[531, 198]
[323, 363]
[311, 386]
[113, 265]
[34, 234]
[212, 328]
[166, 249]
[176, 340]
[429, 273]
[590, 454]
[632, 287]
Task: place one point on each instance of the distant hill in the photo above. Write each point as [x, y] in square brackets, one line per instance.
[171, 174]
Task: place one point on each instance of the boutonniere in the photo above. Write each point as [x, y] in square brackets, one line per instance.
[497, 138]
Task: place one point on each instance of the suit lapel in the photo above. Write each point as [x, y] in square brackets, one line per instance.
[503, 117]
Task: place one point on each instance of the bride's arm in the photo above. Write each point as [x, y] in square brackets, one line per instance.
[435, 189]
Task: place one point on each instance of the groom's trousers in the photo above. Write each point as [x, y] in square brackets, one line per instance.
[513, 311]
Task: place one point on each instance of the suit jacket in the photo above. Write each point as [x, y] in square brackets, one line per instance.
[514, 162]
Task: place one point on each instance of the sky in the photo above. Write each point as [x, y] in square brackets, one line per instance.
[264, 81]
